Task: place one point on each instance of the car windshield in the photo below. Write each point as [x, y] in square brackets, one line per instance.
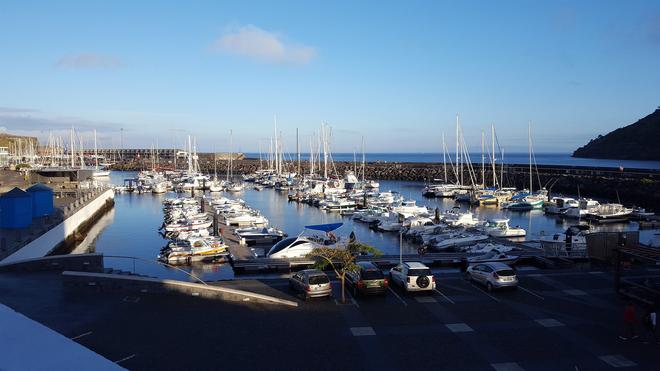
[506, 272]
[318, 280]
[372, 274]
[419, 272]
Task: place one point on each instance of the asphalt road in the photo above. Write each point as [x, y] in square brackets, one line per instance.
[556, 320]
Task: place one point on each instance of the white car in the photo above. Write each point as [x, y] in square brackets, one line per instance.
[413, 276]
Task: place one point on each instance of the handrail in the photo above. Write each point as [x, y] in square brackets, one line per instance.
[157, 263]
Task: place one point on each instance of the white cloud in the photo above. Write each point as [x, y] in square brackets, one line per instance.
[253, 42]
[89, 60]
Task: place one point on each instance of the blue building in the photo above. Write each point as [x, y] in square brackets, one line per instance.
[15, 209]
[42, 200]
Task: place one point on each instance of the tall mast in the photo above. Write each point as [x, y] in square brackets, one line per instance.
[457, 177]
[363, 161]
[444, 156]
[492, 137]
[71, 152]
[298, 152]
[529, 142]
[260, 161]
[325, 150]
[96, 152]
[189, 156]
[502, 168]
[277, 161]
[483, 163]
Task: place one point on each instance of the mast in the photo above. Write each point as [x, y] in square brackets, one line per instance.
[529, 143]
[325, 150]
[71, 152]
[277, 161]
[298, 152]
[502, 168]
[96, 152]
[492, 137]
[260, 161]
[189, 156]
[483, 163]
[457, 177]
[363, 161]
[444, 156]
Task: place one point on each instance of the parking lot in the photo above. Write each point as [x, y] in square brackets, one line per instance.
[555, 320]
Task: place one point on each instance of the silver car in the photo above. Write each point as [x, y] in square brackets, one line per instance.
[311, 283]
[493, 275]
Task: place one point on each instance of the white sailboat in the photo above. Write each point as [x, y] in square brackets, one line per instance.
[97, 171]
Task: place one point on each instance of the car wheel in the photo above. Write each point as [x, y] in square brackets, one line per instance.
[489, 287]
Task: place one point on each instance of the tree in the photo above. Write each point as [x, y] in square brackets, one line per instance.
[341, 259]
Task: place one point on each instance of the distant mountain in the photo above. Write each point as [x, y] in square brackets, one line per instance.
[638, 141]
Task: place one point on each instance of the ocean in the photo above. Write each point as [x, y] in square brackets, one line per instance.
[563, 159]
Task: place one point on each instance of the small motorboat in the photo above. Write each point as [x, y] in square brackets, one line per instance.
[493, 256]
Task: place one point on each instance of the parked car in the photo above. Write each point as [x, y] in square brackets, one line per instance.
[413, 276]
[493, 275]
[367, 279]
[311, 283]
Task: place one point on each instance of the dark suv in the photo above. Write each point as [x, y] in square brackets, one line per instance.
[367, 279]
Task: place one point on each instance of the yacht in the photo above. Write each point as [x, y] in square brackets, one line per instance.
[454, 240]
[259, 235]
[491, 257]
[456, 218]
[301, 246]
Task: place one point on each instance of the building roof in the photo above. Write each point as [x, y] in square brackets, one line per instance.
[16, 193]
[39, 187]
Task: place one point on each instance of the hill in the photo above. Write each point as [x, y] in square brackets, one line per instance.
[638, 141]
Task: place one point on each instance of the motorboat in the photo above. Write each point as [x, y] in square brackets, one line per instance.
[300, 246]
[409, 208]
[491, 257]
[609, 213]
[194, 250]
[456, 218]
[501, 228]
[485, 247]
[160, 187]
[585, 206]
[260, 235]
[560, 205]
[575, 237]
[371, 184]
[454, 240]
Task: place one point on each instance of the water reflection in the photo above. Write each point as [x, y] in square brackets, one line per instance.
[132, 228]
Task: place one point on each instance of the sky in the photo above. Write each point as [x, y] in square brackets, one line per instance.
[395, 73]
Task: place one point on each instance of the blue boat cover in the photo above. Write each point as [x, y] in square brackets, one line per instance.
[520, 196]
[324, 227]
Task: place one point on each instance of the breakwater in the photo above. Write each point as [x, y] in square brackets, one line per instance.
[640, 187]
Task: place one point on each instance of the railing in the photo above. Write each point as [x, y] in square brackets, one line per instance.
[134, 259]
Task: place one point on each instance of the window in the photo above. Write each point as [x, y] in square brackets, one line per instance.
[419, 272]
[372, 274]
[506, 273]
[282, 245]
[318, 280]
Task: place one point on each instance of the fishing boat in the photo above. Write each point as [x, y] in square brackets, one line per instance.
[609, 213]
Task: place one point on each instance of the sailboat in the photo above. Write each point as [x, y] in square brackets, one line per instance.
[231, 186]
[531, 200]
[97, 171]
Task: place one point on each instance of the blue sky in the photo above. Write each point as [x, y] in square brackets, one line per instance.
[395, 72]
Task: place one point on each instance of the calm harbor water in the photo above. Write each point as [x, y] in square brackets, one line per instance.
[563, 159]
[131, 228]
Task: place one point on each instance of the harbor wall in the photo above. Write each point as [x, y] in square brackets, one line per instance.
[50, 240]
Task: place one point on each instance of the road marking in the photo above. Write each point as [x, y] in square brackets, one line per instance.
[507, 366]
[363, 331]
[617, 360]
[484, 292]
[397, 296]
[444, 296]
[459, 327]
[81, 335]
[125, 358]
[531, 292]
[549, 322]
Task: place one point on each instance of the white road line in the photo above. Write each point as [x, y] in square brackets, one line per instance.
[485, 293]
[444, 296]
[125, 358]
[81, 335]
[397, 296]
[531, 292]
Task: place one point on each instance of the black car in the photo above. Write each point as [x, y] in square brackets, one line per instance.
[366, 279]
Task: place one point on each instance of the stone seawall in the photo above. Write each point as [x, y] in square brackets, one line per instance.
[639, 187]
